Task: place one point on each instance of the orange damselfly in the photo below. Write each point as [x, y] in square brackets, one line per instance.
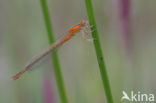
[83, 26]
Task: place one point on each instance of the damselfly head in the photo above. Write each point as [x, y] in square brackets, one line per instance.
[83, 22]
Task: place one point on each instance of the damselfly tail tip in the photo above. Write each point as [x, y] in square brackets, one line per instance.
[17, 76]
[14, 77]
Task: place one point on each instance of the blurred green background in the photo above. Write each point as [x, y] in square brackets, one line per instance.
[23, 34]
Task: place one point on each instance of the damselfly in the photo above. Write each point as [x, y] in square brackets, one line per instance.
[83, 26]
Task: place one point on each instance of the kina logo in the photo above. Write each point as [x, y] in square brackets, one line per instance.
[137, 97]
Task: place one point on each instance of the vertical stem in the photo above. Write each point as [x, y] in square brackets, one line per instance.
[57, 67]
[99, 54]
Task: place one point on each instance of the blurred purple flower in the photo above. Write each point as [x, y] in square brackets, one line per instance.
[125, 9]
[125, 22]
[47, 90]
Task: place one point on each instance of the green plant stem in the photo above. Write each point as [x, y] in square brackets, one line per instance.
[98, 50]
[57, 67]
